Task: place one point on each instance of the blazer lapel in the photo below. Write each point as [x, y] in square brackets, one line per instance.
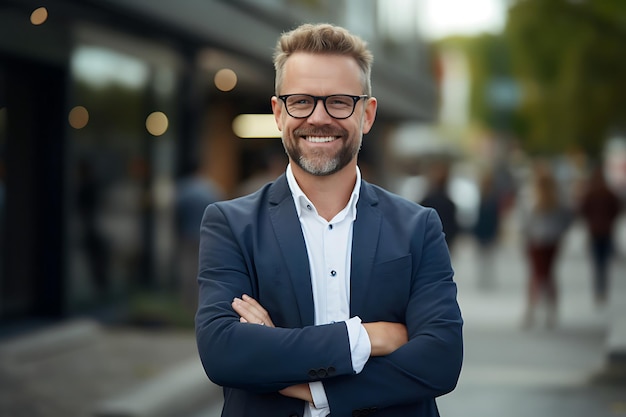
[364, 243]
[286, 225]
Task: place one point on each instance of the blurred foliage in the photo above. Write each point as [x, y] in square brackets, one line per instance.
[569, 57]
[489, 61]
[556, 78]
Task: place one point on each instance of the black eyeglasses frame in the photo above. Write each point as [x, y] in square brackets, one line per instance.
[316, 99]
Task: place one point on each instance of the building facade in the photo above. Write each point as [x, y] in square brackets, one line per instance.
[106, 104]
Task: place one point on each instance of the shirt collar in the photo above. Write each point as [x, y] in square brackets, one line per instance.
[302, 201]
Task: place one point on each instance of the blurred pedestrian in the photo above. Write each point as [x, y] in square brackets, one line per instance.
[600, 208]
[322, 293]
[486, 229]
[545, 219]
[93, 241]
[438, 198]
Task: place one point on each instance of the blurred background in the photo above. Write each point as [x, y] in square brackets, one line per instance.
[120, 120]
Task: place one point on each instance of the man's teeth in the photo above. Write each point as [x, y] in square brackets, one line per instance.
[320, 139]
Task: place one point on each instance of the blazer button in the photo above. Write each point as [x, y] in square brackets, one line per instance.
[312, 374]
[322, 373]
[331, 370]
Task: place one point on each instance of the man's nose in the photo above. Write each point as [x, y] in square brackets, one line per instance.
[319, 115]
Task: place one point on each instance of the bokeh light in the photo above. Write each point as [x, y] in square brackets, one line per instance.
[39, 16]
[225, 79]
[256, 126]
[157, 123]
[78, 117]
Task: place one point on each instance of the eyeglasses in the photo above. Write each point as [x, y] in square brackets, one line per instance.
[338, 106]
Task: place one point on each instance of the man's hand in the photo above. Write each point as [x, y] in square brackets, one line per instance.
[301, 392]
[386, 337]
[251, 311]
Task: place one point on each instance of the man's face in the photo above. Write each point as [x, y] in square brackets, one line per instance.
[319, 144]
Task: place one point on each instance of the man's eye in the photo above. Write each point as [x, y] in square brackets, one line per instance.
[340, 102]
[300, 101]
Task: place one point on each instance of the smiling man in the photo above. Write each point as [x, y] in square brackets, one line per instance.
[322, 294]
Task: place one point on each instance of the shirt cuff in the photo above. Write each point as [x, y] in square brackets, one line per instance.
[360, 345]
[319, 394]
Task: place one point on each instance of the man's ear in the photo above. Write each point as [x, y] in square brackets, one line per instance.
[371, 104]
[277, 109]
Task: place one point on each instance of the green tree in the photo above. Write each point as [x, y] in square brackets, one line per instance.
[570, 59]
[494, 94]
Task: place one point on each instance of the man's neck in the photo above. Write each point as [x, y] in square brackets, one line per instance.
[330, 193]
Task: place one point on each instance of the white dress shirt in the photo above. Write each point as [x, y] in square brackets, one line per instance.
[329, 246]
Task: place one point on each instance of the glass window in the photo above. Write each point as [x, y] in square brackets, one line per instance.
[122, 116]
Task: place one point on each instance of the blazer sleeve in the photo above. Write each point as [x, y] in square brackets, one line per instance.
[250, 356]
[430, 363]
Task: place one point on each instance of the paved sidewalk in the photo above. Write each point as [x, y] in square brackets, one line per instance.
[82, 369]
[540, 372]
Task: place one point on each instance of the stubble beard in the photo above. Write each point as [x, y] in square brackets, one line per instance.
[320, 162]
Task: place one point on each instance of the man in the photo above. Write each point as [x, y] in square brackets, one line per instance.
[321, 293]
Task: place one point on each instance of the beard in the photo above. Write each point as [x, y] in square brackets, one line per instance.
[322, 162]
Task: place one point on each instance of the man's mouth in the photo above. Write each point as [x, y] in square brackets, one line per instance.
[320, 139]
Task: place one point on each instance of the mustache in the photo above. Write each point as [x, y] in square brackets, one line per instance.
[320, 131]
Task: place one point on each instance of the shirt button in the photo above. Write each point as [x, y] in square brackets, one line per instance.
[330, 227]
[308, 206]
[333, 273]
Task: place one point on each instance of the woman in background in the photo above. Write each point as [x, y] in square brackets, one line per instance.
[544, 222]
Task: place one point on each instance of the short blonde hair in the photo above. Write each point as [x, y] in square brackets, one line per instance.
[323, 38]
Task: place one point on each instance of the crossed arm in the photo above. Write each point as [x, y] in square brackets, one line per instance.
[385, 337]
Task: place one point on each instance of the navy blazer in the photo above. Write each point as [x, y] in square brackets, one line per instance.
[401, 272]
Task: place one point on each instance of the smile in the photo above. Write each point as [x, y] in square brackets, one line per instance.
[320, 139]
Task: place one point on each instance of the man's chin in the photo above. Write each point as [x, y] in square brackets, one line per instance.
[319, 170]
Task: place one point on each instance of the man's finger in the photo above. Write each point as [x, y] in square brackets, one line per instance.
[252, 310]
[254, 303]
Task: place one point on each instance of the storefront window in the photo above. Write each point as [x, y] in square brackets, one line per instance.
[121, 171]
